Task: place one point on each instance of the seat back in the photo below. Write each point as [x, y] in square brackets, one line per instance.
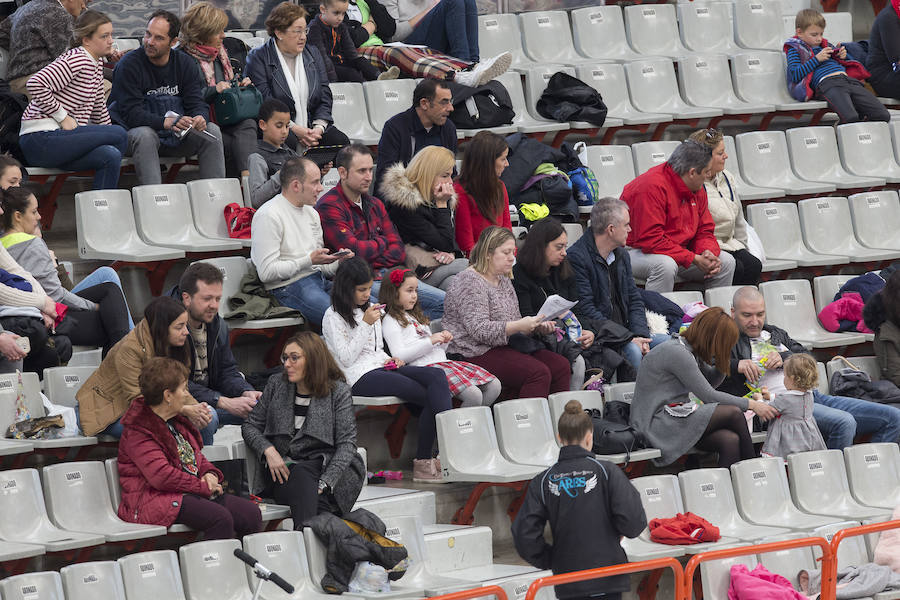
[349, 109]
[619, 392]
[209, 197]
[104, 222]
[163, 214]
[652, 29]
[92, 580]
[613, 166]
[125, 44]
[536, 79]
[45, 585]
[706, 26]
[62, 383]
[851, 552]
[9, 390]
[211, 571]
[684, 298]
[758, 76]
[233, 269]
[77, 492]
[574, 231]
[524, 431]
[500, 33]
[653, 87]
[284, 553]
[867, 364]
[546, 37]
[814, 153]
[788, 563]
[761, 488]
[599, 32]
[818, 479]
[876, 218]
[865, 149]
[873, 471]
[708, 493]
[557, 403]
[826, 226]
[823, 386]
[840, 27]
[384, 99]
[660, 495]
[789, 305]
[757, 24]
[763, 158]
[650, 154]
[721, 296]
[86, 358]
[609, 79]
[467, 439]
[21, 504]
[826, 286]
[512, 81]
[895, 138]
[111, 466]
[151, 576]
[716, 575]
[778, 226]
[705, 80]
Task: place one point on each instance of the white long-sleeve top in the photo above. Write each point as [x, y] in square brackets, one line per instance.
[283, 237]
[10, 296]
[357, 350]
[412, 344]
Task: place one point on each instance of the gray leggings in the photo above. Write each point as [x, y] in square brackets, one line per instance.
[440, 277]
[480, 395]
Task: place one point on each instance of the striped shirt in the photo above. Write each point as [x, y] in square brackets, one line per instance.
[301, 408]
[72, 85]
[820, 70]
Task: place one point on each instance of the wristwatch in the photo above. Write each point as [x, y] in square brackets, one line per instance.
[323, 487]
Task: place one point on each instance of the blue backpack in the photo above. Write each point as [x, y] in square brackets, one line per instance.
[585, 188]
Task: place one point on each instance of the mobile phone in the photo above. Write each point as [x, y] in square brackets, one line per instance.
[24, 343]
[340, 253]
[380, 306]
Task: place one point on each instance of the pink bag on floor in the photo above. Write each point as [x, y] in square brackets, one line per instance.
[760, 584]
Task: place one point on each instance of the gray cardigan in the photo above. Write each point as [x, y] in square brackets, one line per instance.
[329, 431]
[666, 376]
[33, 255]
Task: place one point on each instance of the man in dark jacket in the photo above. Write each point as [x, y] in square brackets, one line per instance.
[606, 289]
[426, 123]
[590, 505]
[157, 95]
[214, 375]
[839, 418]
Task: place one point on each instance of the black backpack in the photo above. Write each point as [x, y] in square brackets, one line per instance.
[484, 106]
[569, 99]
[612, 433]
[12, 105]
[237, 54]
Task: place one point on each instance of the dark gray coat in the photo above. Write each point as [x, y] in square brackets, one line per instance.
[329, 431]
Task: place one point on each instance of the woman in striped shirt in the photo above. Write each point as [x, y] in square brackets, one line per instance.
[66, 124]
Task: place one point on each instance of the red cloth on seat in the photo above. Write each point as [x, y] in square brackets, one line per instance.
[683, 529]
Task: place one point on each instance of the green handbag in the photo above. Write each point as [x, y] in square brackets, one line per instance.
[236, 104]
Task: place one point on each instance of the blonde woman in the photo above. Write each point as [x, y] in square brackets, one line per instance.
[481, 312]
[420, 201]
[202, 33]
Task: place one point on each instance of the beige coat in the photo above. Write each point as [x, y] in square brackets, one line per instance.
[728, 214]
[108, 393]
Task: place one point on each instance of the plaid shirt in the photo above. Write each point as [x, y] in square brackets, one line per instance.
[368, 232]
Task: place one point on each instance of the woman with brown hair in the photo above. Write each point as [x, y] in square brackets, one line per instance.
[303, 434]
[695, 363]
[482, 197]
[202, 34]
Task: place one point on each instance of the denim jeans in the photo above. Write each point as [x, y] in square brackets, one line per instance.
[633, 354]
[115, 429]
[144, 146]
[450, 27]
[102, 275]
[310, 295]
[430, 297]
[840, 418]
[97, 148]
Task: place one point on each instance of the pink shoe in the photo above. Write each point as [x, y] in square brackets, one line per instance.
[427, 471]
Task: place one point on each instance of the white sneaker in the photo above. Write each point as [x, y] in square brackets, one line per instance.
[392, 73]
[484, 71]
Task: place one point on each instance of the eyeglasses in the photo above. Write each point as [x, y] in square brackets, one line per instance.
[711, 133]
[291, 358]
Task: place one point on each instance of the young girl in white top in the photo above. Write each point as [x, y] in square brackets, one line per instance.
[407, 334]
[352, 329]
[795, 430]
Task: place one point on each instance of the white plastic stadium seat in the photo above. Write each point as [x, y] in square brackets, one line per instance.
[62, 383]
[609, 80]
[876, 219]
[652, 30]
[778, 226]
[706, 27]
[865, 150]
[764, 161]
[547, 38]
[91, 580]
[152, 576]
[599, 32]
[209, 197]
[683, 298]
[284, 553]
[653, 88]
[758, 24]
[721, 296]
[827, 229]
[814, 156]
[523, 120]
[613, 166]
[536, 80]
[408, 531]
[819, 486]
[44, 585]
[705, 80]
[525, 433]
[825, 287]
[650, 154]
[349, 109]
[211, 571]
[384, 99]
[874, 474]
[499, 33]
[715, 575]
[758, 76]
[789, 305]
[744, 189]
[867, 364]
[788, 563]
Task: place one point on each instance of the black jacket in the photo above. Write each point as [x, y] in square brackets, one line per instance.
[397, 140]
[590, 504]
[264, 70]
[417, 221]
[224, 377]
[592, 277]
[532, 291]
[734, 384]
[385, 25]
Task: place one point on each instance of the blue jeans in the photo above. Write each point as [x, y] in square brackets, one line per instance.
[633, 354]
[840, 418]
[310, 295]
[97, 148]
[226, 418]
[102, 275]
[115, 429]
[430, 297]
[450, 27]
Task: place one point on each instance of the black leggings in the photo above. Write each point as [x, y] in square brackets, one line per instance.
[105, 326]
[728, 435]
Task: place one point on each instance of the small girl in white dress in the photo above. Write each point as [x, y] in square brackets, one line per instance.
[795, 430]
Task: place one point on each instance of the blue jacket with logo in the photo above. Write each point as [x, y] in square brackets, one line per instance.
[590, 505]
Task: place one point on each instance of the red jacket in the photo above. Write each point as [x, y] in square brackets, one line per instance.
[683, 529]
[470, 222]
[667, 217]
[150, 473]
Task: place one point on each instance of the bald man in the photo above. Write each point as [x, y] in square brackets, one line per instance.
[839, 418]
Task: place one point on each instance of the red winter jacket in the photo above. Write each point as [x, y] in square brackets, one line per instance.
[848, 307]
[150, 473]
[667, 217]
[682, 530]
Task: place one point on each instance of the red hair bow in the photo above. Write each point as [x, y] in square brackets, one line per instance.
[398, 275]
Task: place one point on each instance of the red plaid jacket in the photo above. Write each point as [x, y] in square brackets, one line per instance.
[368, 232]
